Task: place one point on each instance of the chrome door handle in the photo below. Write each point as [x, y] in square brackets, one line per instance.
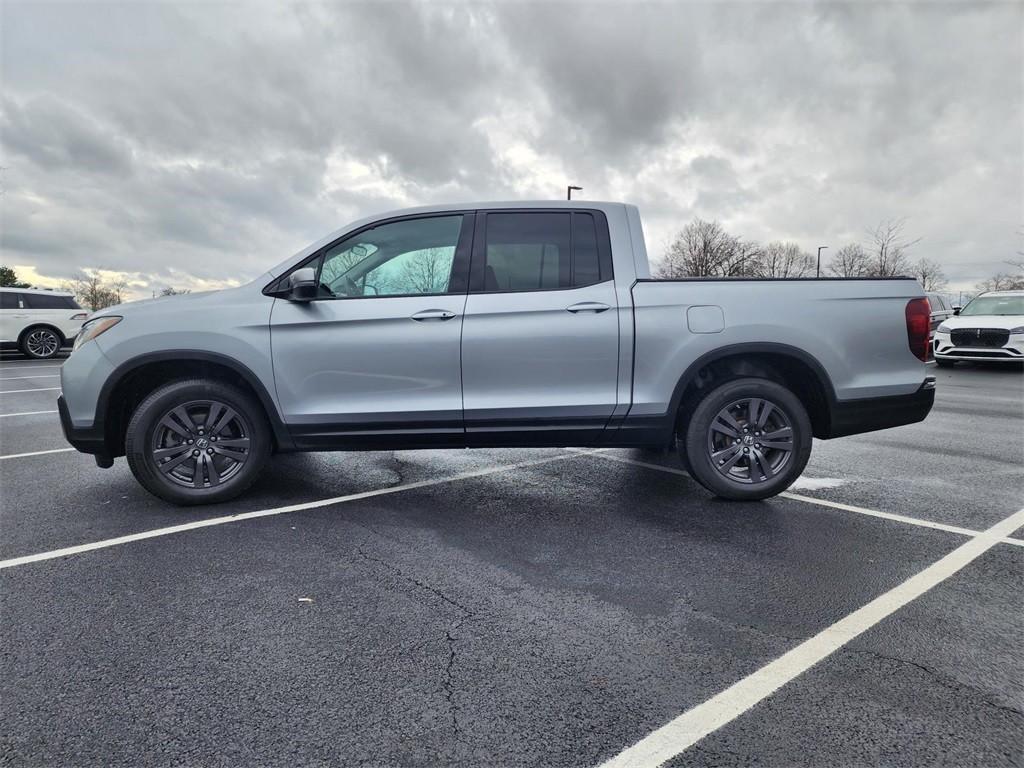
[433, 314]
[588, 306]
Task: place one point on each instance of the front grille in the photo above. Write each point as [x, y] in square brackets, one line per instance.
[979, 337]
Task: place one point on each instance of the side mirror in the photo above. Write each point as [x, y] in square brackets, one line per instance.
[956, 310]
[302, 285]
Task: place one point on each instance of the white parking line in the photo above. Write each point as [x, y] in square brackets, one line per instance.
[156, 532]
[24, 413]
[35, 453]
[22, 378]
[692, 726]
[16, 391]
[831, 504]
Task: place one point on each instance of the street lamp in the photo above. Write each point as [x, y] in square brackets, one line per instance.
[569, 189]
[820, 249]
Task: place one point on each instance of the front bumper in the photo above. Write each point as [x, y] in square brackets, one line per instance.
[851, 417]
[1013, 351]
[87, 440]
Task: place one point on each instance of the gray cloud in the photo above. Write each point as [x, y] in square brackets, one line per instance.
[176, 140]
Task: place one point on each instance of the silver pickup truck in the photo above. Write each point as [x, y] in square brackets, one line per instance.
[497, 324]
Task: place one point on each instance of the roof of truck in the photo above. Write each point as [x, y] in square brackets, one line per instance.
[47, 291]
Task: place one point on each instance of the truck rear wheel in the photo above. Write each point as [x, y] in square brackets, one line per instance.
[197, 442]
[748, 439]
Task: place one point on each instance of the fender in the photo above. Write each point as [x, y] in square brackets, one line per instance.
[281, 435]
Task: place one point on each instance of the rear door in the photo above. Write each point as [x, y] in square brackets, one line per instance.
[12, 317]
[375, 360]
[540, 335]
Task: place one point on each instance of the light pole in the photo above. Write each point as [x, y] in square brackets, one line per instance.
[820, 249]
[569, 189]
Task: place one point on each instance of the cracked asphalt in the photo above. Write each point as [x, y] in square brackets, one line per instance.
[545, 615]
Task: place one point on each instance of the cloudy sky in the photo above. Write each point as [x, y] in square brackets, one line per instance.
[192, 145]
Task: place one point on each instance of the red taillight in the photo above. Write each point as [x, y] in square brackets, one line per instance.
[919, 323]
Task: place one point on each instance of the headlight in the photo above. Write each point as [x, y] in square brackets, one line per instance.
[943, 328]
[94, 328]
[1018, 329]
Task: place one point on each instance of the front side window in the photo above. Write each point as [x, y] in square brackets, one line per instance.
[402, 258]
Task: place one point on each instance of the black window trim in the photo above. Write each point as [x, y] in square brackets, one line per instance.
[458, 281]
[604, 250]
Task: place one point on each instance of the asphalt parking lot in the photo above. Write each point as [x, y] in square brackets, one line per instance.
[520, 607]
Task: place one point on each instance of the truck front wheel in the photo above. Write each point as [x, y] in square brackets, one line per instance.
[748, 439]
[197, 442]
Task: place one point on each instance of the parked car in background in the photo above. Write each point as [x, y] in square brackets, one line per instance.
[498, 324]
[989, 329]
[38, 322]
[941, 309]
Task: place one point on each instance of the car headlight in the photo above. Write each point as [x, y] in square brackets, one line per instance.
[94, 328]
[943, 328]
[1018, 329]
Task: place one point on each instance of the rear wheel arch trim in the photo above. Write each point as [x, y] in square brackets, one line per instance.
[752, 348]
[281, 435]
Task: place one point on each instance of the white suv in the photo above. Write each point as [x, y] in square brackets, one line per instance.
[38, 322]
[990, 329]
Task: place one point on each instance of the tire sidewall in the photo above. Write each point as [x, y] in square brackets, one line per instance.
[695, 441]
[144, 421]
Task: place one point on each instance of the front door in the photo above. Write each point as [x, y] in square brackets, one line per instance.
[540, 340]
[375, 360]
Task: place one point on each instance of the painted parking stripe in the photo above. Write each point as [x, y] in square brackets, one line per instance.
[29, 367]
[157, 532]
[22, 378]
[24, 413]
[826, 503]
[17, 391]
[690, 727]
[35, 453]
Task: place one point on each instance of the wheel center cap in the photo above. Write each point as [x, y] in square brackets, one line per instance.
[748, 439]
[202, 443]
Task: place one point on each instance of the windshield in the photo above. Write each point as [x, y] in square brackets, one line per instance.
[995, 305]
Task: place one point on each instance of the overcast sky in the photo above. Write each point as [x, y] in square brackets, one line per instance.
[193, 145]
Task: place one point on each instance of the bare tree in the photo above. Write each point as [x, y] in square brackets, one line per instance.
[427, 273]
[849, 261]
[779, 259]
[170, 291]
[701, 249]
[887, 248]
[929, 274]
[1002, 282]
[746, 259]
[93, 292]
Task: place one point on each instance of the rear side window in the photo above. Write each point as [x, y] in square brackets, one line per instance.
[539, 251]
[527, 252]
[43, 301]
[9, 300]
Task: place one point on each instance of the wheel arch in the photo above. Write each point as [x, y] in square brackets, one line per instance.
[133, 380]
[790, 366]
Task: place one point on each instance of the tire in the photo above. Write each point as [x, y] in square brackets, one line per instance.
[945, 363]
[41, 343]
[205, 415]
[742, 467]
